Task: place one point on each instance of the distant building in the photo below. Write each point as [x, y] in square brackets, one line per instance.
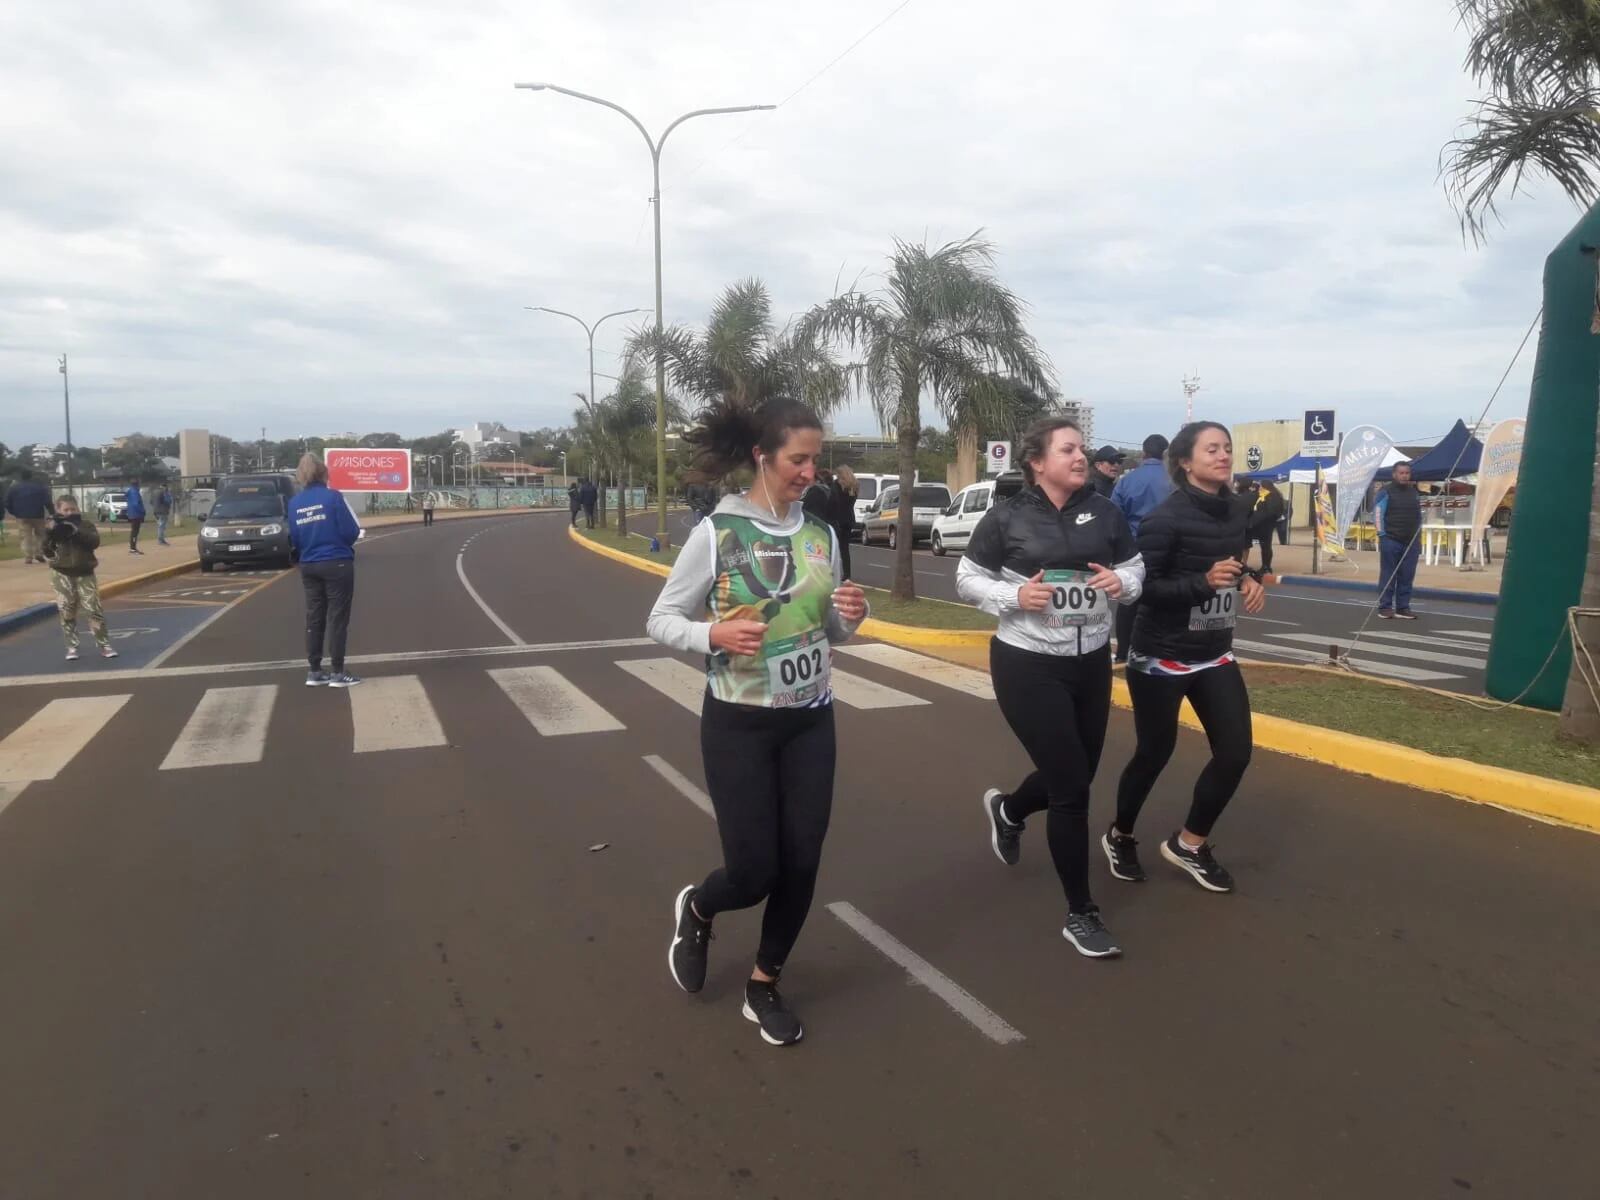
[480, 435]
[43, 456]
[1082, 412]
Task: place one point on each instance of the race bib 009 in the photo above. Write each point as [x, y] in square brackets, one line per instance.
[1073, 603]
[797, 668]
[1219, 611]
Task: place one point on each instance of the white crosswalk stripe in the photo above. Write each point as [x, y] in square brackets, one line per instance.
[1371, 666]
[553, 705]
[934, 670]
[391, 712]
[228, 726]
[673, 678]
[1416, 639]
[1430, 656]
[1476, 635]
[865, 693]
[53, 736]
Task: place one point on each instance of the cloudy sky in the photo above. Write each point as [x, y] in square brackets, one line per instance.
[318, 216]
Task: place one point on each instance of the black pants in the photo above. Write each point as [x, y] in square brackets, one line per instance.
[588, 515]
[1058, 707]
[427, 516]
[770, 774]
[842, 534]
[575, 509]
[1125, 615]
[134, 523]
[1220, 700]
[1264, 540]
[330, 587]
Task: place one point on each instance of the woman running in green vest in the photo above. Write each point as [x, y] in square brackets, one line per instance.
[757, 590]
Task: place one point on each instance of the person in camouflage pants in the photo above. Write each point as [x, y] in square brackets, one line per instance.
[70, 544]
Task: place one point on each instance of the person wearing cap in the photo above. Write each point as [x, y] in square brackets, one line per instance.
[1107, 465]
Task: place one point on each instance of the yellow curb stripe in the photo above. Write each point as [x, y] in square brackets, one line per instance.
[1530, 795]
[112, 587]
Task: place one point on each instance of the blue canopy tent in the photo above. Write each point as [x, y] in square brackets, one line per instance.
[1457, 454]
[1288, 466]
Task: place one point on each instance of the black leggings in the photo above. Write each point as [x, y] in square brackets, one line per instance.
[770, 774]
[1220, 700]
[842, 534]
[1264, 540]
[1058, 707]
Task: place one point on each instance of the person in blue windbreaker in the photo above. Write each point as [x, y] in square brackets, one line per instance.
[135, 515]
[324, 532]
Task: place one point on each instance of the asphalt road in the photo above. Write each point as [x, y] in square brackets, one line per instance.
[265, 941]
[1446, 647]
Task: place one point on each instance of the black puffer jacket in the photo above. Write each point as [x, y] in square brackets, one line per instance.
[1184, 537]
[1027, 533]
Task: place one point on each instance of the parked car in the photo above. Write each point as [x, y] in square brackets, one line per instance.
[928, 500]
[953, 528]
[113, 506]
[247, 523]
[867, 487]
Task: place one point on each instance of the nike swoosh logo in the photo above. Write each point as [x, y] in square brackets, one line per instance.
[1085, 518]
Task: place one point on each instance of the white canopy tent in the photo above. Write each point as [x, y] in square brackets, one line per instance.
[1331, 475]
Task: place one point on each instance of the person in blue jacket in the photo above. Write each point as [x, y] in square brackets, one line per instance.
[135, 515]
[1137, 493]
[324, 531]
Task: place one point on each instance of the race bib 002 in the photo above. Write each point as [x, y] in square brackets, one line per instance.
[1073, 603]
[1219, 611]
[797, 668]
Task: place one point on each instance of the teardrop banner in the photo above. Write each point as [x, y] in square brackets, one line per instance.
[1497, 472]
[1361, 453]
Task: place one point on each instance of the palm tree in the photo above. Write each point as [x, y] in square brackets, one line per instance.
[627, 419]
[943, 324]
[1540, 60]
[742, 357]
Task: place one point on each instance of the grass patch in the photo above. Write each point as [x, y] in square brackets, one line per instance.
[1519, 739]
[933, 614]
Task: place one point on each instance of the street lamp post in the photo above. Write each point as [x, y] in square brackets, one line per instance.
[66, 404]
[655, 145]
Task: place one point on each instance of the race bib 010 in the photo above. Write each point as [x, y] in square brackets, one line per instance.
[1219, 611]
[1073, 603]
[797, 668]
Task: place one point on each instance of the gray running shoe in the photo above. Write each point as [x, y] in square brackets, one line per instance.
[1089, 936]
[343, 679]
[1004, 836]
[317, 679]
[1206, 870]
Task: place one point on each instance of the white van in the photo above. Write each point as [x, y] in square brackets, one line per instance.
[867, 489]
[928, 500]
[952, 530]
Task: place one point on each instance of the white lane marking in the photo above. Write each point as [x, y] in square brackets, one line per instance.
[553, 705]
[673, 678]
[1474, 634]
[1276, 595]
[967, 1006]
[9, 792]
[1269, 621]
[392, 712]
[461, 574]
[1399, 635]
[682, 782]
[1369, 666]
[228, 726]
[47, 741]
[934, 670]
[156, 662]
[299, 664]
[1431, 656]
[864, 693]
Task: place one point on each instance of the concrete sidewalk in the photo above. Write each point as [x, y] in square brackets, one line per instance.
[1361, 567]
[24, 585]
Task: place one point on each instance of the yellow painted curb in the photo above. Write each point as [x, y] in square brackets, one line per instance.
[632, 560]
[1548, 799]
[923, 637]
[133, 581]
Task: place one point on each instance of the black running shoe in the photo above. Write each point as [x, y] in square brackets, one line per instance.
[763, 1005]
[1207, 871]
[686, 957]
[1122, 852]
[1005, 837]
[1089, 935]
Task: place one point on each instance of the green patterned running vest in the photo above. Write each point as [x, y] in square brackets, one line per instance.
[785, 580]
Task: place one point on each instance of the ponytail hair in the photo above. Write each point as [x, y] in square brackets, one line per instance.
[725, 434]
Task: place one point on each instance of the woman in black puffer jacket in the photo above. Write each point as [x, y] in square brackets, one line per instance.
[1196, 584]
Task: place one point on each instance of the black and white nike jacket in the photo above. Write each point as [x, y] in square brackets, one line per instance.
[1026, 534]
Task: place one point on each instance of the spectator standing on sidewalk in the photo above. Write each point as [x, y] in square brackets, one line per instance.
[324, 531]
[1267, 511]
[1398, 515]
[427, 508]
[1138, 493]
[574, 500]
[588, 494]
[135, 499]
[162, 503]
[1105, 468]
[69, 546]
[29, 502]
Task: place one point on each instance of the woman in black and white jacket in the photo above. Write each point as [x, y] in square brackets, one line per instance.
[1051, 562]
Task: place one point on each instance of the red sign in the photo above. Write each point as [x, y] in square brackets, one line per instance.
[357, 470]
